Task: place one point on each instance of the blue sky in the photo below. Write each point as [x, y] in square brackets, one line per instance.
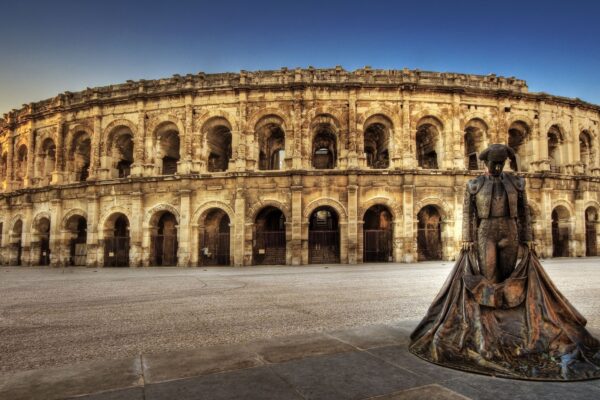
[51, 47]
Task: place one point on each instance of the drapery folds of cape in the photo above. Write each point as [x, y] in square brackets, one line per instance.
[520, 328]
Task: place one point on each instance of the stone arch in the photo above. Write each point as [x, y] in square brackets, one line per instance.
[71, 213]
[562, 229]
[13, 220]
[112, 129]
[263, 203]
[325, 201]
[201, 211]
[38, 217]
[566, 204]
[518, 135]
[325, 142]
[263, 113]
[429, 142]
[74, 130]
[208, 115]
[592, 203]
[325, 111]
[475, 139]
[271, 142]
[216, 140]
[395, 208]
[523, 119]
[382, 110]
[109, 215]
[162, 120]
[443, 207]
[377, 141]
[152, 213]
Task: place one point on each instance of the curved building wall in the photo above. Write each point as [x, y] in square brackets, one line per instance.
[286, 167]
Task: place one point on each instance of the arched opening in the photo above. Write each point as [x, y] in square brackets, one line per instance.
[269, 237]
[46, 161]
[116, 241]
[16, 241]
[323, 236]
[167, 137]
[79, 156]
[429, 234]
[475, 143]
[377, 141]
[271, 144]
[555, 140]
[561, 232]
[77, 229]
[586, 154]
[21, 171]
[324, 148]
[518, 135]
[120, 150]
[42, 241]
[219, 148]
[591, 234]
[378, 234]
[164, 239]
[428, 145]
[215, 238]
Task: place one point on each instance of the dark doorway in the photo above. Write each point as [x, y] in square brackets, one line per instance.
[77, 226]
[560, 232]
[323, 236]
[269, 237]
[377, 235]
[43, 231]
[116, 243]
[429, 234]
[17, 241]
[214, 239]
[164, 241]
[591, 221]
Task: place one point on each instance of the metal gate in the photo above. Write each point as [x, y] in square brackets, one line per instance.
[323, 247]
[377, 245]
[164, 250]
[429, 242]
[269, 248]
[214, 249]
[19, 252]
[44, 251]
[78, 253]
[116, 251]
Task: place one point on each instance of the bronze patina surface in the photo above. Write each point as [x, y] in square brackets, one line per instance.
[497, 317]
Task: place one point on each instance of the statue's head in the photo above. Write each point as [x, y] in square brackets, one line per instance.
[495, 156]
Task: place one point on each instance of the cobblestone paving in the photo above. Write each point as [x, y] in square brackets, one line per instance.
[51, 317]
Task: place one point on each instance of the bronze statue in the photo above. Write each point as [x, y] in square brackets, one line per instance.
[495, 316]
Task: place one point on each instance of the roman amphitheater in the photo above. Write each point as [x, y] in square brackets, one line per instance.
[292, 167]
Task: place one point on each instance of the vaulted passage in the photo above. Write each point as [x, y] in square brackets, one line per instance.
[269, 237]
[561, 232]
[428, 144]
[116, 241]
[377, 235]
[591, 234]
[429, 234]
[271, 142]
[167, 137]
[164, 239]
[323, 236]
[215, 238]
[376, 142]
[16, 242]
[77, 239]
[79, 156]
[41, 241]
[324, 147]
[518, 136]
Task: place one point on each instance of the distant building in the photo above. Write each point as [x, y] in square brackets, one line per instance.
[285, 167]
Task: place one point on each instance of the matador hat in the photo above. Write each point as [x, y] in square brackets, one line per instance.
[497, 152]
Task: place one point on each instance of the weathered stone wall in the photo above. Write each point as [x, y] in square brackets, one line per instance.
[215, 122]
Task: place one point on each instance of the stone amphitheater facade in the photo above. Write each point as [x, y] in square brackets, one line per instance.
[285, 167]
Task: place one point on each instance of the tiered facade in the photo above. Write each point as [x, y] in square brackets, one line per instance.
[286, 167]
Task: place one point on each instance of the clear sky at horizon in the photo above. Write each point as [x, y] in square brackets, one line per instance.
[52, 47]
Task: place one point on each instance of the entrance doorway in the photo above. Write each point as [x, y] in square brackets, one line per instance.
[214, 238]
[429, 234]
[164, 240]
[269, 237]
[116, 242]
[323, 236]
[377, 235]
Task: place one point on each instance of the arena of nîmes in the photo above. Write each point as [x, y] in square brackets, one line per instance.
[286, 167]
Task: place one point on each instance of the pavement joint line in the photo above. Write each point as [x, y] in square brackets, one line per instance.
[294, 388]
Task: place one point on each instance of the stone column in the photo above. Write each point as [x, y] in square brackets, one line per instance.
[546, 221]
[352, 220]
[137, 168]
[183, 251]
[185, 163]
[97, 146]
[239, 227]
[57, 174]
[579, 226]
[26, 256]
[136, 230]
[409, 235]
[92, 231]
[10, 160]
[55, 232]
[29, 175]
[296, 145]
[456, 145]
[356, 155]
[239, 139]
[296, 220]
[409, 161]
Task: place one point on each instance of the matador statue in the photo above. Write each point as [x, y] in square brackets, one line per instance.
[495, 314]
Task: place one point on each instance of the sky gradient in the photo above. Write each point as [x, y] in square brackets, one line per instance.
[52, 47]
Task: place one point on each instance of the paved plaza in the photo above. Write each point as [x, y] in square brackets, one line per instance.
[271, 324]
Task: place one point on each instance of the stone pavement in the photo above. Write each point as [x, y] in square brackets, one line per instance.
[363, 363]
